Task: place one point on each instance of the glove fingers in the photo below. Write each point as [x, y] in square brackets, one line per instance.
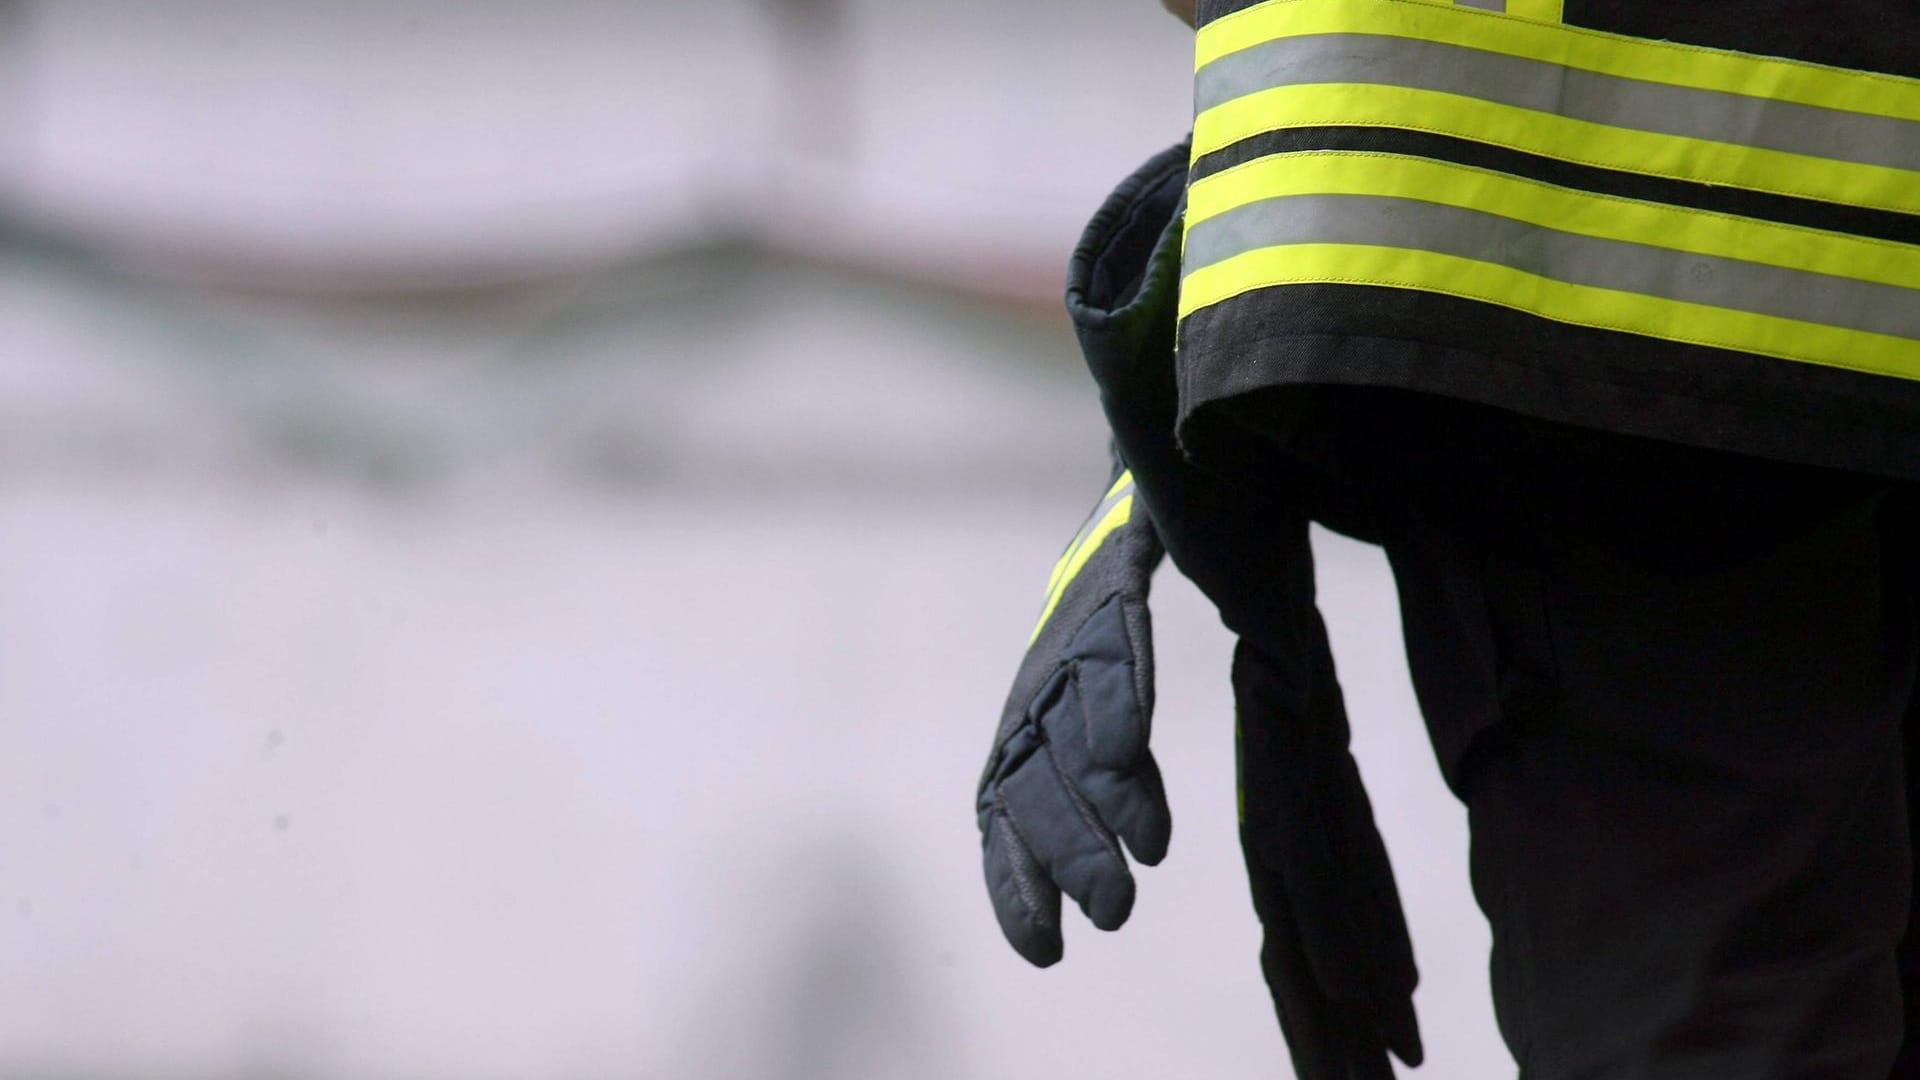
[1372, 1064]
[1402, 1029]
[1131, 802]
[1136, 807]
[1062, 830]
[1327, 1039]
[1025, 899]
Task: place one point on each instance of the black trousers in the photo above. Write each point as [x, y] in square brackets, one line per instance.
[1670, 686]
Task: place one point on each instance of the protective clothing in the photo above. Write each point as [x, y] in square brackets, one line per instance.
[1694, 222]
[1665, 674]
[1667, 684]
[1070, 770]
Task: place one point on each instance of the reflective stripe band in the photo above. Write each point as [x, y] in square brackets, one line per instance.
[1115, 509]
[1243, 193]
[1562, 301]
[1547, 10]
[1561, 256]
[1647, 268]
[1575, 47]
[1122, 485]
[1616, 102]
[1579, 142]
[1712, 115]
[1526, 9]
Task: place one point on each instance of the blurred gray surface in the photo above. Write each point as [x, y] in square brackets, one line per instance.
[383, 728]
[513, 553]
[379, 141]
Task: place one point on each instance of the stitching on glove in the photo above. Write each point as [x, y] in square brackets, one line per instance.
[1142, 692]
[1025, 868]
[1086, 722]
[1087, 815]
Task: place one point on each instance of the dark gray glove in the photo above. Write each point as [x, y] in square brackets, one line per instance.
[1336, 953]
[1070, 775]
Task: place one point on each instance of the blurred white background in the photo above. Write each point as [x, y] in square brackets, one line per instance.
[516, 522]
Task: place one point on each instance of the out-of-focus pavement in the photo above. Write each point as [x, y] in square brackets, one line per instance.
[586, 676]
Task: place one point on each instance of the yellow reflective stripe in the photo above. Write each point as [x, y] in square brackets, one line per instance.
[1543, 10]
[1548, 10]
[1060, 565]
[1121, 482]
[1667, 62]
[1077, 559]
[1700, 232]
[1558, 137]
[1583, 305]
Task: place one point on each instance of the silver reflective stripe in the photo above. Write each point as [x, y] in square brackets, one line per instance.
[1485, 5]
[1099, 514]
[1550, 253]
[1553, 88]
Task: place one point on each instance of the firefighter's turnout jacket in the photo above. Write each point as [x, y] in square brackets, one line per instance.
[1694, 221]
